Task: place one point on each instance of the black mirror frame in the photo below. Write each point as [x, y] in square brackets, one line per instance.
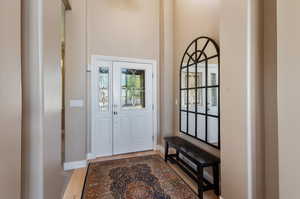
[194, 59]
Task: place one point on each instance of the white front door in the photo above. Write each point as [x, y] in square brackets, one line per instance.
[122, 114]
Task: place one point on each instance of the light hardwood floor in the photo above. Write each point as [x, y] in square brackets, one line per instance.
[76, 183]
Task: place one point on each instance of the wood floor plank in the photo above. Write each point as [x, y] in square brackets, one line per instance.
[76, 183]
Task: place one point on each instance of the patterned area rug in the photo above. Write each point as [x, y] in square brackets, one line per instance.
[146, 177]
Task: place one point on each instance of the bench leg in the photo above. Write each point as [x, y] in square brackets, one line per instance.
[177, 154]
[200, 182]
[166, 151]
[216, 179]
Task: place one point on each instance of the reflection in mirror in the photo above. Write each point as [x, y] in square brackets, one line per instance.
[192, 100]
[191, 123]
[213, 77]
[201, 74]
[192, 78]
[212, 131]
[184, 78]
[199, 91]
[201, 104]
[183, 100]
[201, 132]
[183, 116]
[212, 101]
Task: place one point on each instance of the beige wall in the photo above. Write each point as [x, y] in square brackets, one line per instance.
[242, 152]
[233, 100]
[75, 82]
[41, 82]
[192, 19]
[10, 94]
[270, 100]
[288, 97]
[166, 68]
[123, 28]
[114, 28]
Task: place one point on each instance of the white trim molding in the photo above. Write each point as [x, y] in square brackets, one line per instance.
[90, 156]
[75, 165]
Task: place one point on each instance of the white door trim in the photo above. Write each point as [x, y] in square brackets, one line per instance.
[97, 58]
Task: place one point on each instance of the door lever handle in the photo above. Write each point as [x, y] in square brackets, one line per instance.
[115, 113]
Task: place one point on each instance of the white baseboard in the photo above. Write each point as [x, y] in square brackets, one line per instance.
[160, 148]
[91, 156]
[75, 165]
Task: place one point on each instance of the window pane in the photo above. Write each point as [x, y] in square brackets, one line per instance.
[133, 89]
[104, 89]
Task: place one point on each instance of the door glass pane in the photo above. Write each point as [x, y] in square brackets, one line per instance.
[104, 89]
[133, 89]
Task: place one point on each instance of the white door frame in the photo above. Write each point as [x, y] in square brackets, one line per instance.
[155, 87]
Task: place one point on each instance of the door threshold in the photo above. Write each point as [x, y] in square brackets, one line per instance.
[124, 156]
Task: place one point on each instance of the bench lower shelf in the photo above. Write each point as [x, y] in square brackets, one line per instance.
[190, 171]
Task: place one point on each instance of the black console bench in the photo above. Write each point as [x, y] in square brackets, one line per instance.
[200, 158]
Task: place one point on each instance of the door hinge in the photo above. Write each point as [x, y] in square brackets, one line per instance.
[153, 107]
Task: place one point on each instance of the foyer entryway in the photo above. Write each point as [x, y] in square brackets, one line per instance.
[122, 107]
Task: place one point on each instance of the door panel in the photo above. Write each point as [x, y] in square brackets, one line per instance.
[102, 109]
[133, 124]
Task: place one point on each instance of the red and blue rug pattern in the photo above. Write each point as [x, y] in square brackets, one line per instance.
[147, 177]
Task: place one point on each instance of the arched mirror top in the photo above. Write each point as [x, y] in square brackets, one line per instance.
[200, 50]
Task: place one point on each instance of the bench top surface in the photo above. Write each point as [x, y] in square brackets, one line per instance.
[197, 154]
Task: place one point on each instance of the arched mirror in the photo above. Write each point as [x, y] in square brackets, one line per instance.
[200, 91]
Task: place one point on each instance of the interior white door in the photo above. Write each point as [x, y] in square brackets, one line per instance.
[132, 108]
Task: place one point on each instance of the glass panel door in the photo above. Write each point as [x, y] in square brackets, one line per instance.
[133, 89]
